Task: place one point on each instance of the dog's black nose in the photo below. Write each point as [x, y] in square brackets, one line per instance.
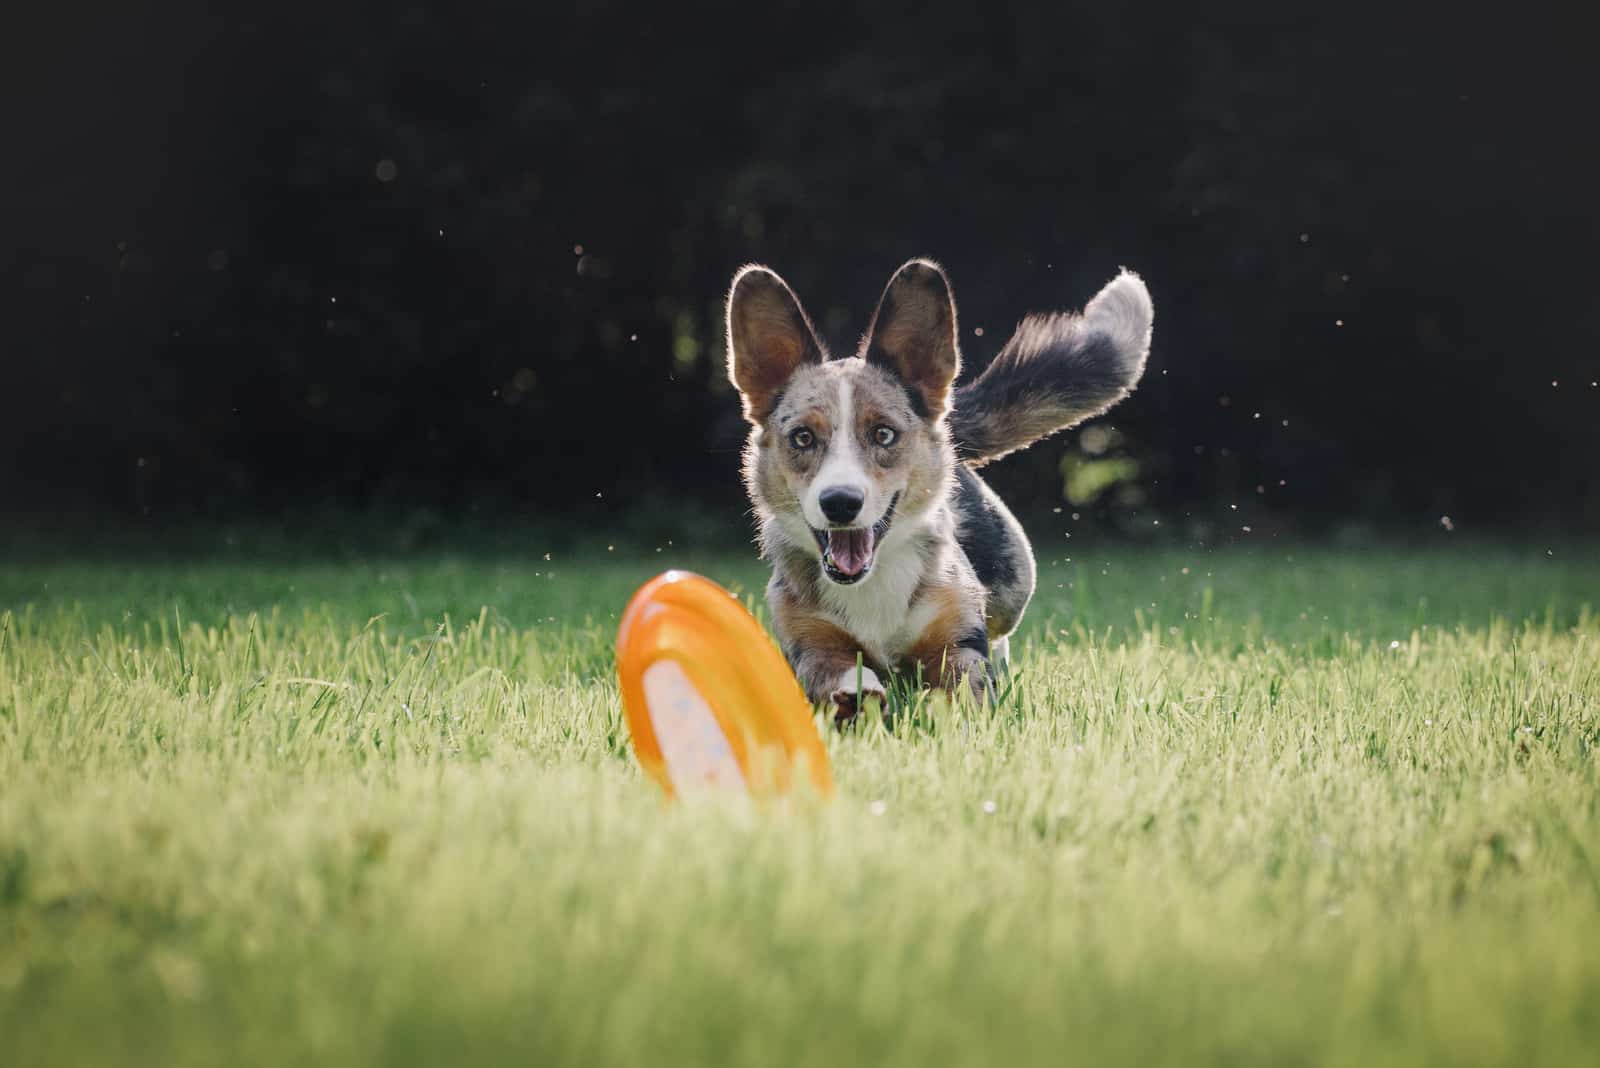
[841, 503]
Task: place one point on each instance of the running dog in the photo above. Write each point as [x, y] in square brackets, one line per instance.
[884, 541]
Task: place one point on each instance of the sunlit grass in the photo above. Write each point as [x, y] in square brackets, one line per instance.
[1283, 806]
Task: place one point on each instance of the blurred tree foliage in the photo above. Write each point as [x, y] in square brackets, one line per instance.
[472, 256]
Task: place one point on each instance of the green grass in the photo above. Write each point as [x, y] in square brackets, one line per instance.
[1285, 806]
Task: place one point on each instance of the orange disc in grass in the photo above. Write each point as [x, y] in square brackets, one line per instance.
[710, 700]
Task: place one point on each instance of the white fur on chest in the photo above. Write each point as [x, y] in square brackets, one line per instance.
[877, 611]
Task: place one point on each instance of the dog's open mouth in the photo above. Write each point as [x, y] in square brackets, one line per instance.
[848, 552]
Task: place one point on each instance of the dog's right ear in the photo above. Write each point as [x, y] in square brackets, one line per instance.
[769, 339]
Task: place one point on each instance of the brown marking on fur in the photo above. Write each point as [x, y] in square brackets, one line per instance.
[807, 403]
[932, 646]
[914, 334]
[819, 650]
[769, 338]
[921, 453]
[937, 651]
[880, 404]
[816, 634]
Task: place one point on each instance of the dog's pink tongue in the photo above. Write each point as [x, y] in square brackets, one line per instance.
[850, 550]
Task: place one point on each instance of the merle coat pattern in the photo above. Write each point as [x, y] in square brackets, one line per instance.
[885, 542]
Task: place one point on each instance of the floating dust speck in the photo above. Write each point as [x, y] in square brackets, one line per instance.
[878, 808]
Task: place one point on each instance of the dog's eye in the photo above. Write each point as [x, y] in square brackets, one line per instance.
[885, 435]
[802, 438]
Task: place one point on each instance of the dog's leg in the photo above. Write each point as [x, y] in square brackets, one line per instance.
[824, 657]
[953, 651]
[962, 668]
[955, 669]
[852, 692]
[831, 678]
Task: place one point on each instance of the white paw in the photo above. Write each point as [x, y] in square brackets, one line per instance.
[863, 680]
[854, 687]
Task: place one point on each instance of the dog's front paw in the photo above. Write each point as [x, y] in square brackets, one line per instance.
[969, 670]
[855, 691]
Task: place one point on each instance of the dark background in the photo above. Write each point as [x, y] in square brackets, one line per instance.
[469, 259]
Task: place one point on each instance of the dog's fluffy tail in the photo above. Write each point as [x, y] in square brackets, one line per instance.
[1056, 371]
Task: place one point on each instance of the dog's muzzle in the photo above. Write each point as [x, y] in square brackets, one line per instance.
[848, 552]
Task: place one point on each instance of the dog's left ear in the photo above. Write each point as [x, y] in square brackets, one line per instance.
[914, 335]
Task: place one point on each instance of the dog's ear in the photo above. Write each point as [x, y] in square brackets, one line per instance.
[914, 335]
[769, 338]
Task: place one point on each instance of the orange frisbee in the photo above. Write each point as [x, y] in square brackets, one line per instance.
[710, 701]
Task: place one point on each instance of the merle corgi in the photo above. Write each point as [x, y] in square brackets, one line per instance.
[884, 541]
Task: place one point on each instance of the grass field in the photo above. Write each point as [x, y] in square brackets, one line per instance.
[1271, 806]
